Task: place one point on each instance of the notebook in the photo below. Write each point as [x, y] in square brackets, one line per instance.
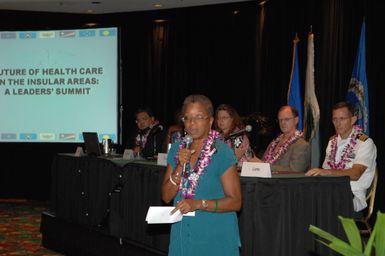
[251, 169]
[91, 143]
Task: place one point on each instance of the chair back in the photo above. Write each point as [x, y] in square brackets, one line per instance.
[370, 197]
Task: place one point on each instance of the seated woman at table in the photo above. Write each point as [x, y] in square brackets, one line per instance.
[227, 122]
[202, 177]
[289, 152]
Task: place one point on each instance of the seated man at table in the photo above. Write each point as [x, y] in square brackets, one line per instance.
[148, 140]
[351, 153]
[289, 152]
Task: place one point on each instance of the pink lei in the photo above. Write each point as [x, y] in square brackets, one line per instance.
[272, 154]
[191, 176]
[346, 152]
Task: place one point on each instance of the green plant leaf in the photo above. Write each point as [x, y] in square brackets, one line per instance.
[379, 239]
[335, 244]
[325, 235]
[352, 232]
[376, 239]
[369, 245]
[344, 248]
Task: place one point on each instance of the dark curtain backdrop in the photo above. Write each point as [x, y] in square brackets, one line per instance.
[237, 53]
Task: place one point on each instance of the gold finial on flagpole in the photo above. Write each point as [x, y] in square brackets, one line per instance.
[296, 38]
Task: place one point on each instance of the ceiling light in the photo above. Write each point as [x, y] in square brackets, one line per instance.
[158, 5]
[91, 24]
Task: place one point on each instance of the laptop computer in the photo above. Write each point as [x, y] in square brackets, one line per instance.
[91, 144]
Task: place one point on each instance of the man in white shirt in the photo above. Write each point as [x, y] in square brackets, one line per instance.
[349, 153]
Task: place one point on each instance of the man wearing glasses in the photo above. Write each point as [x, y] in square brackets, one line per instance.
[351, 153]
[289, 152]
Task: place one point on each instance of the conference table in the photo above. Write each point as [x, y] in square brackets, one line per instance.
[114, 194]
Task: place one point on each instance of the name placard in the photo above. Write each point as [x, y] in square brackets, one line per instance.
[252, 169]
[162, 159]
[79, 151]
[128, 154]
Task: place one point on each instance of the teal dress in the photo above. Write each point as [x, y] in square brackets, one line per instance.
[208, 233]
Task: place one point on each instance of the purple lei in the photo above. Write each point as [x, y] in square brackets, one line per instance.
[191, 176]
[348, 149]
[270, 157]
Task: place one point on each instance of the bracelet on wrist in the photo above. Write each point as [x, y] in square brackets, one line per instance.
[172, 181]
[215, 205]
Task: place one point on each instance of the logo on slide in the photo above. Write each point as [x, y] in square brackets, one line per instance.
[87, 33]
[8, 35]
[8, 136]
[47, 136]
[47, 34]
[67, 136]
[27, 35]
[66, 34]
[28, 136]
[107, 32]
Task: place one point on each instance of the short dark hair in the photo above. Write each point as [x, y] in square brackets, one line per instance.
[293, 110]
[144, 110]
[199, 98]
[344, 104]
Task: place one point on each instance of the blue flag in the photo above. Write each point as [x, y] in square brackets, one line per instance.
[294, 98]
[358, 87]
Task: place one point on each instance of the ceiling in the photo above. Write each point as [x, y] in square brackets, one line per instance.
[101, 6]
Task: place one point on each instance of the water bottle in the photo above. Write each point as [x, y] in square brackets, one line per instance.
[106, 144]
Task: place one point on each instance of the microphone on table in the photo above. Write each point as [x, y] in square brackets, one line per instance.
[187, 140]
[247, 128]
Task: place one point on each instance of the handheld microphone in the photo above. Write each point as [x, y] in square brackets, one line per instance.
[248, 128]
[187, 140]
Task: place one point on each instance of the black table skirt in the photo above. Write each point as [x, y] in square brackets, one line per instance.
[274, 219]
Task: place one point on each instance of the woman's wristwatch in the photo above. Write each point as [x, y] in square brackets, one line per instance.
[204, 204]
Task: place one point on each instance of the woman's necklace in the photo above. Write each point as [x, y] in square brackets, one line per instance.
[191, 176]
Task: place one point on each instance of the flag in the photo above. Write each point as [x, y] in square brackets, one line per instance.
[312, 111]
[358, 88]
[107, 32]
[27, 35]
[87, 33]
[294, 93]
[67, 33]
[47, 34]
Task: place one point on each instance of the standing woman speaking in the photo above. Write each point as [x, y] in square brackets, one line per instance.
[202, 177]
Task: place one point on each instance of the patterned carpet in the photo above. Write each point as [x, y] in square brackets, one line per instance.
[19, 228]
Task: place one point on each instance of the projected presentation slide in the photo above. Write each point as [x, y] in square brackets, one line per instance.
[56, 84]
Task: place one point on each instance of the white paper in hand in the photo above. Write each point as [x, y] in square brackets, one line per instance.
[161, 214]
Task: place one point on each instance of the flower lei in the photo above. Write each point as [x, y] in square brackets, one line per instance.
[191, 176]
[141, 139]
[270, 157]
[346, 152]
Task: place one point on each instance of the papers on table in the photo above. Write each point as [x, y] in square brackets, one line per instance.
[161, 214]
